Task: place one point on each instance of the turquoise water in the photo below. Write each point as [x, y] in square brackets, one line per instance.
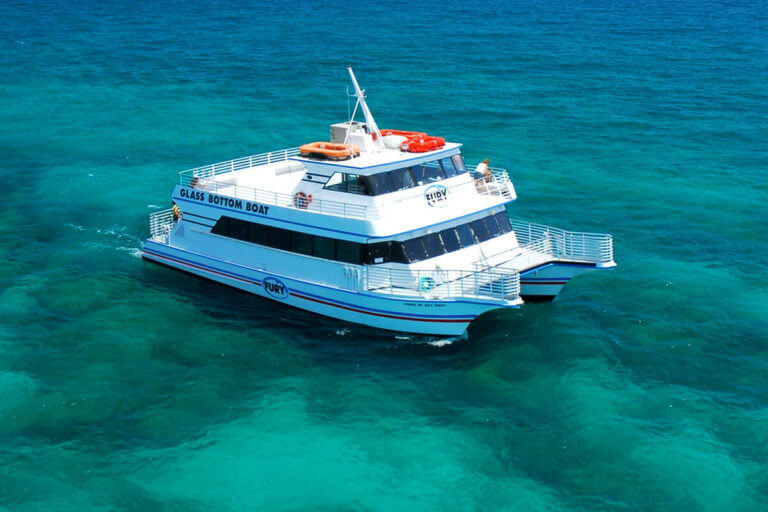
[126, 386]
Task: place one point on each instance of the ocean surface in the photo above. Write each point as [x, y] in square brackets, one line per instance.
[128, 386]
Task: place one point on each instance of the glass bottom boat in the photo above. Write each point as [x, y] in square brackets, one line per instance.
[387, 228]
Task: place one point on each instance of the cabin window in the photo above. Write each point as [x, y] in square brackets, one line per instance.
[344, 182]
[402, 179]
[348, 252]
[414, 249]
[493, 226]
[280, 239]
[336, 182]
[448, 168]
[450, 240]
[458, 162]
[503, 221]
[301, 242]
[433, 244]
[356, 185]
[465, 235]
[399, 179]
[480, 230]
[258, 233]
[238, 229]
[397, 253]
[378, 253]
[221, 227]
[378, 183]
[428, 173]
[324, 247]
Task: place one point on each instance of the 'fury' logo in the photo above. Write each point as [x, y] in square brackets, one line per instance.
[436, 195]
[275, 288]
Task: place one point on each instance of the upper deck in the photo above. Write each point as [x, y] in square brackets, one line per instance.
[276, 179]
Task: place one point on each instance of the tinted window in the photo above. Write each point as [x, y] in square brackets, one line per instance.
[378, 183]
[448, 168]
[402, 179]
[348, 252]
[398, 253]
[427, 173]
[357, 186]
[324, 247]
[348, 183]
[221, 227]
[280, 238]
[450, 240]
[458, 162]
[493, 226]
[301, 243]
[377, 253]
[238, 229]
[465, 235]
[433, 244]
[414, 250]
[503, 221]
[257, 234]
[337, 182]
[417, 249]
[481, 231]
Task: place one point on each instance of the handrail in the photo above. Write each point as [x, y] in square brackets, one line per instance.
[326, 206]
[246, 162]
[160, 225]
[538, 239]
[581, 246]
[495, 283]
[498, 183]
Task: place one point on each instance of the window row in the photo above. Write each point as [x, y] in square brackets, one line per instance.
[445, 241]
[399, 179]
[409, 251]
[287, 240]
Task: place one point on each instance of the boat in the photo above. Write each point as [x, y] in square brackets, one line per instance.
[387, 228]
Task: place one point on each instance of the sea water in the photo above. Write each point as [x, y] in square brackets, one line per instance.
[128, 386]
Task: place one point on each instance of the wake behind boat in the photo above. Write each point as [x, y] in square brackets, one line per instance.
[387, 228]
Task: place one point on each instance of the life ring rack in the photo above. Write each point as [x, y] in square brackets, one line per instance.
[301, 200]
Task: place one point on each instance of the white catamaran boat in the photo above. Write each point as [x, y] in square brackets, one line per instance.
[387, 228]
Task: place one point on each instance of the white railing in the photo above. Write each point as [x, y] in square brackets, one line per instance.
[494, 283]
[246, 162]
[203, 178]
[160, 225]
[591, 247]
[539, 244]
[498, 183]
[270, 197]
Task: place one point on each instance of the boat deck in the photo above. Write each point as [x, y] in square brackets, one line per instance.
[272, 178]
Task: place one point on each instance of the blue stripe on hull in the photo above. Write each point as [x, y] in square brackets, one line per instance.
[201, 267]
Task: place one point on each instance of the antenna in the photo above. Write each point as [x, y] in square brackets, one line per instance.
[369, 120]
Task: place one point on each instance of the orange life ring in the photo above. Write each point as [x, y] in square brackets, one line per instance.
[330, 150]
[423, 144]
[301, 200]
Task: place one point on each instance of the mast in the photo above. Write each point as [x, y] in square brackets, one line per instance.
[369, 120]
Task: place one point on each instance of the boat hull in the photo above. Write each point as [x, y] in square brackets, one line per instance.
[402, 314]
[544, 282]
